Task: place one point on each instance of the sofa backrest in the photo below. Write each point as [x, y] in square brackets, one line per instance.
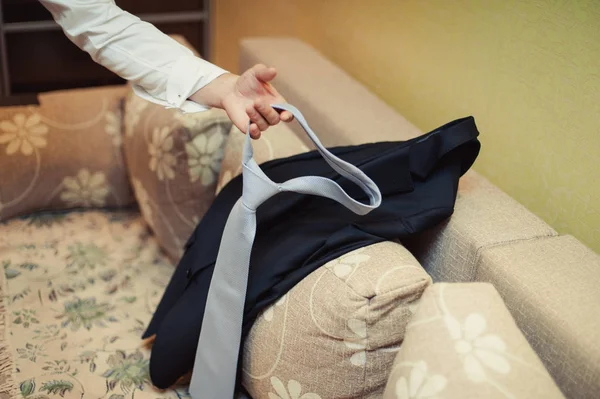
[486, 220]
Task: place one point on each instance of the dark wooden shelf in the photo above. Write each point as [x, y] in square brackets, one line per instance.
[52, 62]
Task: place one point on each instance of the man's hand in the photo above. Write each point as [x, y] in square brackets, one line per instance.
[246, 97]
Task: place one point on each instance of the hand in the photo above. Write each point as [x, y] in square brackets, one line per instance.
[246, 97]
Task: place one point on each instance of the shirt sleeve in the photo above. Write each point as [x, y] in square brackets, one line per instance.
[161, 69]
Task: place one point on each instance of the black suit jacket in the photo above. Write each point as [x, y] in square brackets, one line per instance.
[298, 233]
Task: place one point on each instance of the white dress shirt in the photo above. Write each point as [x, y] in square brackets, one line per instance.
[160, 69]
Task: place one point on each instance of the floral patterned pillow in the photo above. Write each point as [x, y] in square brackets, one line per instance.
[63, 153]
[337, 332]
[462, 342]
[173, 161]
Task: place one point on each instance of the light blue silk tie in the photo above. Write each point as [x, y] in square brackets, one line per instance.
[215, 366]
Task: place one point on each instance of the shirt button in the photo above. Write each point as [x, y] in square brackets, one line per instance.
[188, 273]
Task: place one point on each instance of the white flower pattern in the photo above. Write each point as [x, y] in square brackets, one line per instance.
[191, 120]
[135, 107]
[293, 391]
[23, 133]
[143, 201]
[205, 153]
[161, 159]
[343, 266]
[420, 384]
[85, 189]
[270, 311]
[477, 350]
[359, 342]
[113, 126]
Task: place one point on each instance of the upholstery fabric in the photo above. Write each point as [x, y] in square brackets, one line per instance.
[336, 333]
[463, 343]
[78, 289]
[278, 141]
[483, 216]
[65, 152]
[551, 286]
[173, 161]
[81, 286]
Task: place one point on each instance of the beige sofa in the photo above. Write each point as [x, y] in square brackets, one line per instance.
[79, 286]
[551, 283]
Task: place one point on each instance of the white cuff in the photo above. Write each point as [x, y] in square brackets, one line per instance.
[188, 75]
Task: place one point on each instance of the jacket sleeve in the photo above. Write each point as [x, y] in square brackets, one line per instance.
[160, 69]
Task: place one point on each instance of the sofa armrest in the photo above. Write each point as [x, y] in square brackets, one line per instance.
[484, 217]
[552, 288]
[463, 343]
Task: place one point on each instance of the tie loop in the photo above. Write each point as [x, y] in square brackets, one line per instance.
[258, 187]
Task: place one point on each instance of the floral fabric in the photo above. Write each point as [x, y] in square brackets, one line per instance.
[63, 153]
[462, 342]
[78, 290]
[336, 333]
[173, 160]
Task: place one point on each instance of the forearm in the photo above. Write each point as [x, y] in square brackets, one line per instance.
[214, 93]
[135, 50]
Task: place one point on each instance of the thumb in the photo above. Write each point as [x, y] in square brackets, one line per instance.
[264, 73]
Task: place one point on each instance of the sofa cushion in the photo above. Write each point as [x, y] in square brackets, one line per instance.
[78, 289]
[552, 288]
[463, 343]
[173, 160]
[335, 334]
[63, 153]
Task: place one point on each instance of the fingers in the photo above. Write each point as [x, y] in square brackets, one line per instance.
[286, 116]
[256, 117]
[254, 131]
[267, 112]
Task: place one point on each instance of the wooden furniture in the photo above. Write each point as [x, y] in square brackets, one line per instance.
[36, 56]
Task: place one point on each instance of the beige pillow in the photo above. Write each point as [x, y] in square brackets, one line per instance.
[336, 333]
[462, 342]
[63, 153]
[278, 141]
[173, 161]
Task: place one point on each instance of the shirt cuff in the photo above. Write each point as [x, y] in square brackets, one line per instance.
[188, 75]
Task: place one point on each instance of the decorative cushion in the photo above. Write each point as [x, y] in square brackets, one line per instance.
[336, 333]
[78, 289]
[174, 161]
[277, 141]
[463, 343]
[551, 287]
[63, 153]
